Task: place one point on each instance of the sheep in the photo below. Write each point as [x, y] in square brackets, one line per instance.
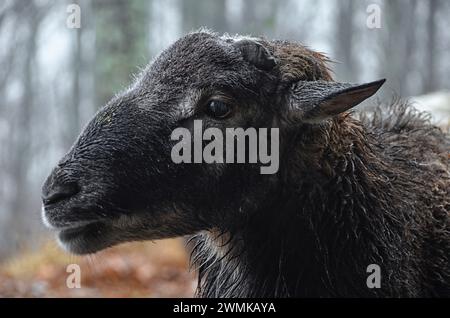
[352, 191]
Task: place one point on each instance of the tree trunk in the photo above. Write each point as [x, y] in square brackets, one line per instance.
[21, 142]
[121, 44]
[430, 83]
[74, 106]
[204, 13]
[347, 69]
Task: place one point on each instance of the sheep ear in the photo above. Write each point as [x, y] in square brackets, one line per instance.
[256, 54]
[316, 101]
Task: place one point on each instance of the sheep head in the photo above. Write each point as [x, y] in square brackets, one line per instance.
[119, 182]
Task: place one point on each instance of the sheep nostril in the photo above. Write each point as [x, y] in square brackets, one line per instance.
[60, 193]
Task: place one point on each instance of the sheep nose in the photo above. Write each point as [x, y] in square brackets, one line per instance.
[59, 192]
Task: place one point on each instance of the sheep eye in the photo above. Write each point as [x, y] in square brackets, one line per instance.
[218, 109]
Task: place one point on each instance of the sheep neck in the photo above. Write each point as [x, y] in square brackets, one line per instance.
[323, 231]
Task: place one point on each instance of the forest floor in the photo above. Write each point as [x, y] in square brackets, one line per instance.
[132, 270]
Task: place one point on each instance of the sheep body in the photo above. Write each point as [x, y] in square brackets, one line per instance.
[385, 201]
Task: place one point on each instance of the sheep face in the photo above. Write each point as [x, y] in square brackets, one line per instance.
[119, 181]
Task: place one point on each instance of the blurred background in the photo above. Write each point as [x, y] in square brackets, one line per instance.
[53, 79]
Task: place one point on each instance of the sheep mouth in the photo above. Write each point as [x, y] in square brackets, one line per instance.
[85, 239]
[90, 237]
[82, 237]
[71, 233]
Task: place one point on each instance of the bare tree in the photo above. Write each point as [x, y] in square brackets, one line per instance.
[344, 40]
[74, 109]
[258, 17]
[30, 15]
[204, 13]
[431, 78]
[399, 45]
[121, 44]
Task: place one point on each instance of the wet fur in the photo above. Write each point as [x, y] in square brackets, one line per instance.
[374, 191]
[350, 191]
